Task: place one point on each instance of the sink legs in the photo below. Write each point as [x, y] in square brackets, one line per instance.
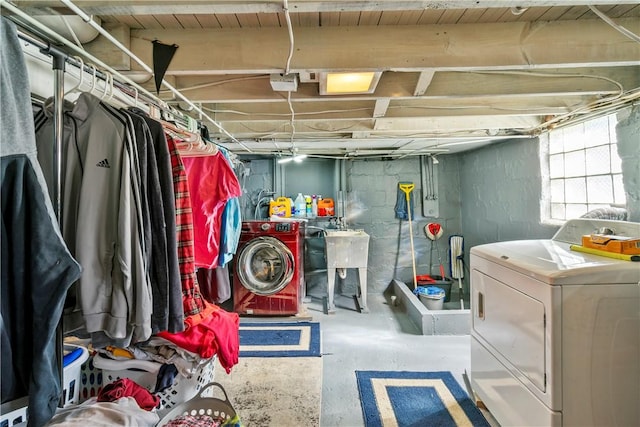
[331, 282]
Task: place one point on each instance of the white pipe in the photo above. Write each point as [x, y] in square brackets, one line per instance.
[123, 48]
[36, 24]
[622, 30]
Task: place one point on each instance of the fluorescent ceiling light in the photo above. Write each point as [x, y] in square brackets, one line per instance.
[297, 158]
[349, 83]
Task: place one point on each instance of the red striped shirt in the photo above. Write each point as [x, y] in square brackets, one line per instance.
[191, 297]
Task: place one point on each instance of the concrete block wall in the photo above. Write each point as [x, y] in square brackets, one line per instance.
[628, 134]
[487, 195]
[372, 193]
[501, 190]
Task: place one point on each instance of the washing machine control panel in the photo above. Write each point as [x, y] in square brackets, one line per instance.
[265, 226]
[283, 227]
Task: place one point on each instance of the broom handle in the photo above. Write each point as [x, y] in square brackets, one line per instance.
[413, 258]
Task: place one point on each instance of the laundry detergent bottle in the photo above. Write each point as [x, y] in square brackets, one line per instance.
[300, 206]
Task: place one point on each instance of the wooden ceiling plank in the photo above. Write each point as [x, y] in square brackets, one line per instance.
[160, 7]
[349, 18]
[168, 22]
[533, 13]
[410, 17]
[208, 21]
[576, 12]
[554, 13]
[133, 23]
[329, 19]
[228, 20]
[471, 16]
[468, 46]
[623, 10]
[493, 14]
[188, 21]
[430, 16]
[308, 19]
[451, 16]
[390, 17]
[268, 19]
[370, 18]
[248, 20]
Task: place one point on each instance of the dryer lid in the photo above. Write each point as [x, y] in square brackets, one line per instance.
[265, 265]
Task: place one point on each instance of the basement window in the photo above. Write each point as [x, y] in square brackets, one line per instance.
[584, 170]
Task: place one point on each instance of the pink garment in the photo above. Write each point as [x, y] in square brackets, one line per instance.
[212, 182]
[217, 334]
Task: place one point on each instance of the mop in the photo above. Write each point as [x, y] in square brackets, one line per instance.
[406, 188]
[456, 260]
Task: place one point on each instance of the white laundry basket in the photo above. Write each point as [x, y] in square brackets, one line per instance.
[145, 373]
[15, 412]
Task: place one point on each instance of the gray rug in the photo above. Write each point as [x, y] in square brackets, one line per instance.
[275, 391]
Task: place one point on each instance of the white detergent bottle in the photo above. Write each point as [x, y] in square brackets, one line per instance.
[301, 206]
[314, 206]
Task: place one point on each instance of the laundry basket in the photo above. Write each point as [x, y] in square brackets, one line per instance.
[145, 373]
[15, 412]
[217, 409]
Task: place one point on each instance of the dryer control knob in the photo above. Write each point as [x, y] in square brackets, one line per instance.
[265, 227]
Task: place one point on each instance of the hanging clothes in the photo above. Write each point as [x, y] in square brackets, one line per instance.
[231, 223]
[166, 258]
[192, 300]
[103, 216]
[37, 268]
[212, 182]
[215, 284]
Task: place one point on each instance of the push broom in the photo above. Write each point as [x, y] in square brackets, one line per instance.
[407, 188]
[456, 260]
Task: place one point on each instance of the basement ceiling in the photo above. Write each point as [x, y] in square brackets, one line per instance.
[456, 74]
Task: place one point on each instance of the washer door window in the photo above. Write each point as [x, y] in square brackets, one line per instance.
[265, 265]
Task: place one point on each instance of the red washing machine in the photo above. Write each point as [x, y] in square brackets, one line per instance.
[268, 275]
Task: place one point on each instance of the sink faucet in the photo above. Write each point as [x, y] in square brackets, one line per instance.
[341, 223]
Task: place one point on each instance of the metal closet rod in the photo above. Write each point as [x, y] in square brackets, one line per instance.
[86, 18]
[50, 34]
[59, 57]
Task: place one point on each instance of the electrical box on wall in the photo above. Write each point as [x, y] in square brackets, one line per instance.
[430, 201]
[284, 82]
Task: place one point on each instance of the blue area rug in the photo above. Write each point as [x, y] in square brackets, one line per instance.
[292, 339]
[412, 399]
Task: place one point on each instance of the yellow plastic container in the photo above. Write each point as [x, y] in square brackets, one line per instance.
[280, 207]
[326, 207]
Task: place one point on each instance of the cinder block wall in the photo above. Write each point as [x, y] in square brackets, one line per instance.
[372, 192]
[500, 193]
[628, 133]
[487, 195]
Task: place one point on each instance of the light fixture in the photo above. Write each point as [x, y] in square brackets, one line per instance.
[294, 157]
[343, 83]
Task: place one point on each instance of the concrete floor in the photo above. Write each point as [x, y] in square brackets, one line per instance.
[383, 339]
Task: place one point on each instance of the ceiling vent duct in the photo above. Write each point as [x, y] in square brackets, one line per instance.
[284, 82]
[69, 25]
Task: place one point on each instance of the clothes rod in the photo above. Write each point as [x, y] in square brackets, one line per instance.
[61, 56]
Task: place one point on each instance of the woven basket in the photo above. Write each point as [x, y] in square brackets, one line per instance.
[215, 408]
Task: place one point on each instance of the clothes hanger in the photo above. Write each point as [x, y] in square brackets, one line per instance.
[80, 79]
[106, 85]
[95, 77]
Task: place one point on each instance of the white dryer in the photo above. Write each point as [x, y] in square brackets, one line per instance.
[555, 334]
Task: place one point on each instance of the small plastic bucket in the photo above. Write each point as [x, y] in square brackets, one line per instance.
[431, 296]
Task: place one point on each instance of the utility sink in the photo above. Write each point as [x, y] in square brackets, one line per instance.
[347, 248]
